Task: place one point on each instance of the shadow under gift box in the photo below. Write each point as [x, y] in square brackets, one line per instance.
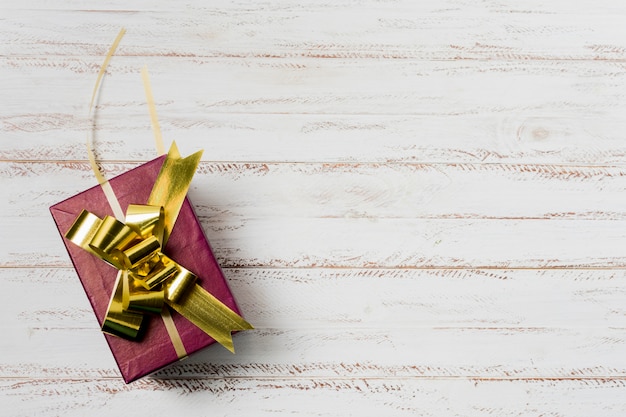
[187, 245]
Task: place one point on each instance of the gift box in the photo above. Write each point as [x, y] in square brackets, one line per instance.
[187, 245]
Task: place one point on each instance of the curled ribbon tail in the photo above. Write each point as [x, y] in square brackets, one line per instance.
[118, 321]
[209, 314]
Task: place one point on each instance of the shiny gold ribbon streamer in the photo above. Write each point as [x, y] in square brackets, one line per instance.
[147, 278]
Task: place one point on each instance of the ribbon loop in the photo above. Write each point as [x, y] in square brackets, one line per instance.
[146, 220]
[118, 320]
[111, 238]
[84, 229]
[140, 253]
[179, 285]
[162, 270]
[146, 302]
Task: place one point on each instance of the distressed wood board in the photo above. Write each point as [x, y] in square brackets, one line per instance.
[421, 206]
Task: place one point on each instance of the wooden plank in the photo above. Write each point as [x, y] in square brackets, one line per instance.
[420, 353]
[320, 86]
[352, 299]
[314, 397]
[406, 30]
[453, 220]
[589, 7]
[357, 242]
[522, 138]
[351, 324]
[224, 193]
[328, 110]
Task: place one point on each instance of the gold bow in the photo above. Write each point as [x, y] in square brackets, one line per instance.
[147, 278]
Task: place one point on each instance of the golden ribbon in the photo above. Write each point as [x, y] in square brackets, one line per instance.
[149, 279]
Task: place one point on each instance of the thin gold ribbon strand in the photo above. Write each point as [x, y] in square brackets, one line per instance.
[104, 183]
[156, 128]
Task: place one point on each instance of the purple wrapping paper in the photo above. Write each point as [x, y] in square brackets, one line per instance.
[187, 245]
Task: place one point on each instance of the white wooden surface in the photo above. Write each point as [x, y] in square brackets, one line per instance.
[421, 206]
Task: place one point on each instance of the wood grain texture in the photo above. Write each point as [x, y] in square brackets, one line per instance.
[419, 205]
[339, 110]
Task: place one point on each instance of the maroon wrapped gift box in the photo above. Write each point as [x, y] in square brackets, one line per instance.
[187, 245]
